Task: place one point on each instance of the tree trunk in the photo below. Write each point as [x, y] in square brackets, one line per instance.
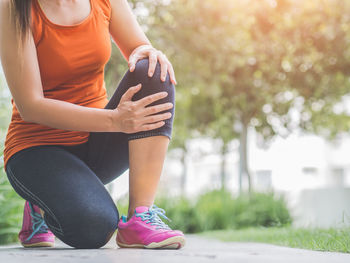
[184, 172]
[223, 165]
[243, 159]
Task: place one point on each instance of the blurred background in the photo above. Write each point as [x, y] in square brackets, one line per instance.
[261, 132]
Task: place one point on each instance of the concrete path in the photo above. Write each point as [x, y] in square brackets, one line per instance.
[197, 249]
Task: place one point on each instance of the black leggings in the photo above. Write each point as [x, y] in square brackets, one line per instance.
[67, 182]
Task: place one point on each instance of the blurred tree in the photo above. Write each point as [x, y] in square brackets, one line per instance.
[318, 64]
[182, 130]
[215, 37]
[258, 62]
[253, 64]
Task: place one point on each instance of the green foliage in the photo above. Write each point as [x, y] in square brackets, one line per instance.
[217, 209]
[264, 210]
[11, 211]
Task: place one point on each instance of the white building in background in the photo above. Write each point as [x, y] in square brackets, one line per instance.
[312, 173]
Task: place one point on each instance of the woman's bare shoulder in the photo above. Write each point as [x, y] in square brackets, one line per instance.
[5, 2]
[4, 7]
[4, 11]
[7, 26]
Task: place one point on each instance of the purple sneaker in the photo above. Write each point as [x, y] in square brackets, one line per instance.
[146, 230]
[34, 232]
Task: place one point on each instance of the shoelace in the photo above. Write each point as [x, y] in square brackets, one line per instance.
[38, 223]
[152, 216]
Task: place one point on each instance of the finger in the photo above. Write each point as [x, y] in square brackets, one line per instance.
[163, 68]
[172, 74]
[152, 126]
[151, 98]
[132, 62]
[157, 108]
[130, 93]
[156, 118]
[152, 63]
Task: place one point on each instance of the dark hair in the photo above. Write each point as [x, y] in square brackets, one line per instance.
[21, 15]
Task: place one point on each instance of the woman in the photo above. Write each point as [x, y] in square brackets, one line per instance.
[66, 140]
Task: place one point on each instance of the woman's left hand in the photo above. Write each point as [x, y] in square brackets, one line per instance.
[154, 55]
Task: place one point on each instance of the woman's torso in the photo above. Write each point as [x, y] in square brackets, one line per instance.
[71, 60]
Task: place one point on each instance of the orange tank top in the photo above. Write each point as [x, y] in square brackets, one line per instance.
[72, 61]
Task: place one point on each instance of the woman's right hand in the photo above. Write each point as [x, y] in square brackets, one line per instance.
[133, 116]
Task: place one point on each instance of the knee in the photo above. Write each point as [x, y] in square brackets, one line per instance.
[152, 84]
[92, 230]
[141, 69]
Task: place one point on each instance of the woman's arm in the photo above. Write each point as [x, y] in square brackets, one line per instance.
[124, 28]
[22, 73]
[132, 41]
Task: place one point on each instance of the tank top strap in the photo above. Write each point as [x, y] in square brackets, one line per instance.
[105, 7]
[36, 23]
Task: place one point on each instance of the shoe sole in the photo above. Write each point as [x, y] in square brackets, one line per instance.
[39, 244]
[176, 242]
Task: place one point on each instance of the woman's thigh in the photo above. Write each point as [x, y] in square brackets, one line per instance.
[108, 152]
[78, 209]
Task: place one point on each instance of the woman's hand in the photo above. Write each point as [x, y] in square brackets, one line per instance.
[154, 55]
[132, 116]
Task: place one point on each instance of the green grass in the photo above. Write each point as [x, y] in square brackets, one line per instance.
[335, 240]
[11, 211]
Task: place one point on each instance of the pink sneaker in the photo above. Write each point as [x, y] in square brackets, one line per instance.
[34, 232]
[146, 230]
